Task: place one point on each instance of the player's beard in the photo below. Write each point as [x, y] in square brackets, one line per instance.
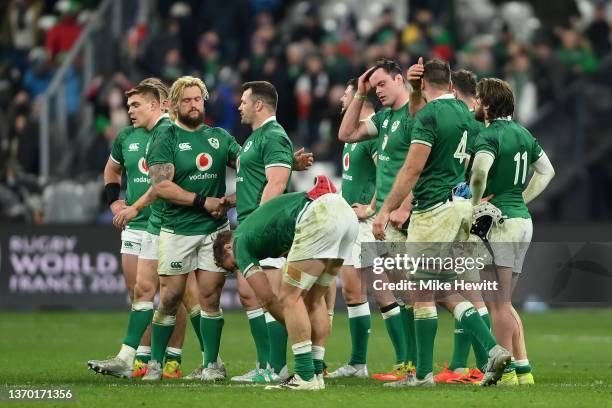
[190, 121]
[479, 114]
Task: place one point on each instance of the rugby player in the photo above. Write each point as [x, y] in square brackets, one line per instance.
[434, 165]
[505, 151]
[318, 231]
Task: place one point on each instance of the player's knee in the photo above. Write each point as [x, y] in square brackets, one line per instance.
[352, 296]
[210, 300]
[144, 291]
[169, 302]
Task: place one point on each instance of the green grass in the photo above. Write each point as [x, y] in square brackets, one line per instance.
[570, 350]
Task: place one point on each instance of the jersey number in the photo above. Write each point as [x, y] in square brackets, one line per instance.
[517, 159]
[460, 152]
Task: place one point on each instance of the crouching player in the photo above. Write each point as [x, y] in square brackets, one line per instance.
[318, 230]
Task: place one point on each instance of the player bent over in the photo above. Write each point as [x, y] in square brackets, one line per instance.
[318, 230]
[504, 152]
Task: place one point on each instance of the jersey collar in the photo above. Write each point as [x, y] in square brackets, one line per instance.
[507, 118]
[446, 96]
[270, 119]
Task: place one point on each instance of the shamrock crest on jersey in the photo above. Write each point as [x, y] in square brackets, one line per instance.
[395, 125]
[214, 142]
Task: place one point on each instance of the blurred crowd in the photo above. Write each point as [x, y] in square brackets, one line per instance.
[308, 50]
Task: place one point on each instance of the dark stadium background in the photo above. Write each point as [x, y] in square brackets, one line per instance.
[65, 65]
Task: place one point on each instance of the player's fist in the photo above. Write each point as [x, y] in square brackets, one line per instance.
[362, 211]
[379, 225]
[414, 74]
[302, 160]
[117, 206]
[399, 217]
[215, 206]
[124, 216]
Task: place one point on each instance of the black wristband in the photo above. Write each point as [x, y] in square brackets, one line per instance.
[199, 201]
[111, 192]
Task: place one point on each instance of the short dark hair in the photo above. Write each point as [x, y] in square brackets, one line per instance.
[145, 89]
[263, 91]
[497, 96]
[370, 98]
[464, 81]
[352, 82]
[437, 72]
[391, 67]
[224, 237]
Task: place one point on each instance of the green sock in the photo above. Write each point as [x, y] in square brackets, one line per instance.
[140, 317]
[318, 356]
[211, 325]
[360, 324]
[511, 367]
[473, 323]
[304, 365]
[174, 354]
[408, 317]
[278, 343]
[395, 327]
[194, 317]
[163, 326]
[479, 351]
[461, 348]
[522, 366]
[259, 332]
[426, 326]
[143, 353]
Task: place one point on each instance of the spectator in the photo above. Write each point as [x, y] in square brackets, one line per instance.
[598, 32]
[520, 78]
[65, 33]
[309, 29]
[575, 53]
[20, 30]
[311, 91]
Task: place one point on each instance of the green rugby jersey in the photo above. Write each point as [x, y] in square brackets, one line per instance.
[446, 125]
[359, 171]
[128, 151]
[513, 149]
[268, 232]
[268, 146]
[394, 129]
[200, 158]
[160, 128]
[477, 128]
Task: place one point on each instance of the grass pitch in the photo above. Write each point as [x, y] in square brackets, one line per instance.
[570, 350]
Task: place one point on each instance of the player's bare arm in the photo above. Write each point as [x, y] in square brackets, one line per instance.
[404, 183]
[351, 128]
[480, 171]
[414, 75]
[131, 211]
[399, 216]
[112, 183]
[277, 177]
[543, 173]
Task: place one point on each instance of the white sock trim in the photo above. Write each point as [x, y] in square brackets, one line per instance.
[254, 314]
[521, 363]
[174, 351]
[390, 313]
[127, 354]
[425, 312]
[359, 310]
[212, 315]
[302, 347]
[483, 311]
[163, 320]
[318, 352]
[196, 310]
[143, 351]
[461, 308]
[142, 306]
[269, 318]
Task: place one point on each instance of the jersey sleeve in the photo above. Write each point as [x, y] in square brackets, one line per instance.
[245, 259]
[487, 142]
[371, 147]
[277, 151]
[424, 128]
[162, 147]
[234, 149]
[117, 148]
[536, 151]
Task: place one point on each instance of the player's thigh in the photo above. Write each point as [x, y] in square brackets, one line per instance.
[247, 294]
[510, 241]
[275, 277]
[303, 274]
[259, 283]
[147, 280]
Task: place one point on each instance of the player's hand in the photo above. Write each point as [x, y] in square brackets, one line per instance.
[363, 85]
[302, 160]
[124, 216]
[415, 74]
[117, 206]
[487, 198]
[215, 206]
[398, 217]
[362, 211]
[379, 225]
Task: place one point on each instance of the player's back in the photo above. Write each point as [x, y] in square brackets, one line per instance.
[445, 125]
[513, 149]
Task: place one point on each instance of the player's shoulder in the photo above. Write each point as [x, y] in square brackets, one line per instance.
[219, 132]
[125, 133]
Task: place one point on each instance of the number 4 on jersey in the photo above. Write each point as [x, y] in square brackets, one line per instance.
[460, 152]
